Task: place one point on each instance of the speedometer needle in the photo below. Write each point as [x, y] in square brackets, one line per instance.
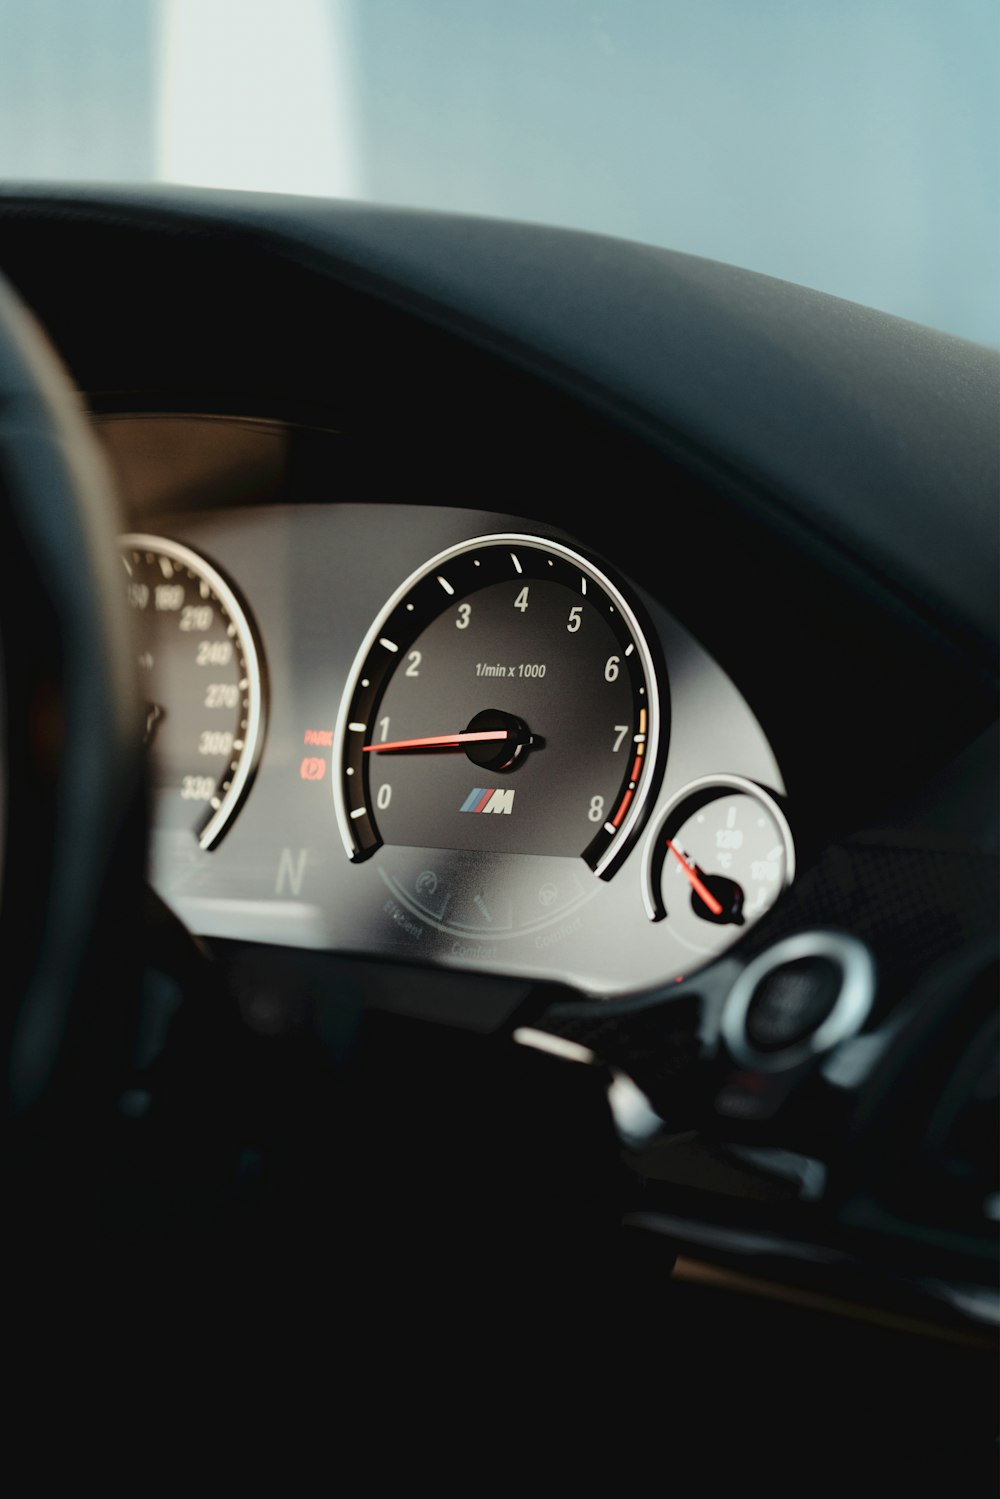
[442, 741]
[697, 884]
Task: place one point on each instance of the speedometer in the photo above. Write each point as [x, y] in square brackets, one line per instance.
[201, 672]
[504, 702]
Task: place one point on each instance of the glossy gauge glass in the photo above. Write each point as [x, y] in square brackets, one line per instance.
[201, 670]
[717, 859]
[505, 701]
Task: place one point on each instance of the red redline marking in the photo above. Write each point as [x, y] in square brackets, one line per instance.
[636, 768]
[437, 741]
[697, 884]
[616, 820]
[485, 798]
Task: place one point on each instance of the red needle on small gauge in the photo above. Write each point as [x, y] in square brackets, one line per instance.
[441, 741]
[697, 883]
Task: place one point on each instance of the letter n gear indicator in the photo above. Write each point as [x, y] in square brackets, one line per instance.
[566, 738]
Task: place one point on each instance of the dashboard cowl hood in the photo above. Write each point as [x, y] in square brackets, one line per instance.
[877, 433]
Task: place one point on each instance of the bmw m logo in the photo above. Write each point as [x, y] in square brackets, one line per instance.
[488, 799]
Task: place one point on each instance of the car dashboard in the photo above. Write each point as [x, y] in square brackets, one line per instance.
[560, 641]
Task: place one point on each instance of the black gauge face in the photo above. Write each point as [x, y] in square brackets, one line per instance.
[504, 702]
[719, 858]
[200, 669]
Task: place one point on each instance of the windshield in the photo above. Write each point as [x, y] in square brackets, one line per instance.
[852, 147]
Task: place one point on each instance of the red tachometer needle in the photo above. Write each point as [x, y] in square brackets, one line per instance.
[697, 884]
[440, 741]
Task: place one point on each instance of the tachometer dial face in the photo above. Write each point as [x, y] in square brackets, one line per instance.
[201, 671]
[504, 702]
[718, 858]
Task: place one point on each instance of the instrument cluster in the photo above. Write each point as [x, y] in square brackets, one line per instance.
[441, 735]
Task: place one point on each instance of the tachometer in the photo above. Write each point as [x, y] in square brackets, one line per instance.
[504, 702]
[201, 669]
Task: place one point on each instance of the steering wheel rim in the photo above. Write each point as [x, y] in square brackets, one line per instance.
[72, 839]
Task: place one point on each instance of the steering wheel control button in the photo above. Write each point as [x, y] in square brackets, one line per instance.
[791, 1002]
[798, 999]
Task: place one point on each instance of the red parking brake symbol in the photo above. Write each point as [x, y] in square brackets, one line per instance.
[312, 770]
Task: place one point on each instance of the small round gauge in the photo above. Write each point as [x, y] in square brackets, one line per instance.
[202, 675]
[504, 702]
[717, 859]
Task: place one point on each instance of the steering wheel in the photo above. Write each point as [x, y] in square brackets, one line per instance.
[72, 824]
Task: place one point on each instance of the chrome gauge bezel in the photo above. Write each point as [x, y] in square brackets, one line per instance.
[620, 840]
[253, 733]
[653, 857]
